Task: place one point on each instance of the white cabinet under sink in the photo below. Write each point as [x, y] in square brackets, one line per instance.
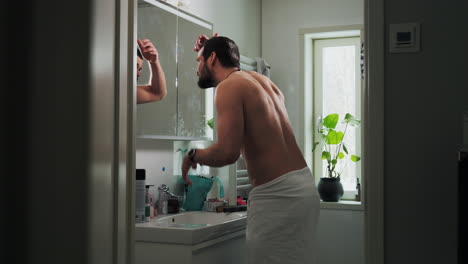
[226, 249]
[192, 237]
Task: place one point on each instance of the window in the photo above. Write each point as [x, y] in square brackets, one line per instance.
[336, 84]
[331, 78]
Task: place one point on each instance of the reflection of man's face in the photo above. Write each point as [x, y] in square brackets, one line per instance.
[205, 76]
[139, 66]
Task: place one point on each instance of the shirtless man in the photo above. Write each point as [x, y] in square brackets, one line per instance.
[156, 90]
[283, 206]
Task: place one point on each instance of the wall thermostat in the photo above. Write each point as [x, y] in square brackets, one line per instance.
[405, 37]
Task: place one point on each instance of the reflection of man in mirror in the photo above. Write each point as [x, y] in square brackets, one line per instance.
[252, 120]
[156, 89]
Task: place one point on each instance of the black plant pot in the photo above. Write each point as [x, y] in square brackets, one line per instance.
[330, 189]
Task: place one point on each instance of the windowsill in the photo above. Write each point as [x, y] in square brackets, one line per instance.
[343, 205]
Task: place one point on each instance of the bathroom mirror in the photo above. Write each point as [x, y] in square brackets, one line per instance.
[192, 106]
[159, 26]
[184, 113]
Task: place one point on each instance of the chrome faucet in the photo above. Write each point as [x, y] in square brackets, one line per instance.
[164, 196]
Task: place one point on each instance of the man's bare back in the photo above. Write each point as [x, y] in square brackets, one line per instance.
[269, 147]
[251, 117]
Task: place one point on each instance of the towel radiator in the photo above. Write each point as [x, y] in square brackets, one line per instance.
[239, 178]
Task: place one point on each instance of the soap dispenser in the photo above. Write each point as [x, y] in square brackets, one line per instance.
[147, 204]
[151, 200]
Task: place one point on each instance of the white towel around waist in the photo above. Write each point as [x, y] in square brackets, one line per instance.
[282, 219]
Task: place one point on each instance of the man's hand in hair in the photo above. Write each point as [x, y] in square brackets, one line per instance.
[201, 41]
[149, 51]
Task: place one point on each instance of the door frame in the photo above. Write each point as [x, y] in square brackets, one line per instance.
[373, 116]
[374, 29]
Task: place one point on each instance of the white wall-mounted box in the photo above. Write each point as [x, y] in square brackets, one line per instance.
[405, 37]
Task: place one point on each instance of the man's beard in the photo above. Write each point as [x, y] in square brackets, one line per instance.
[205, 80]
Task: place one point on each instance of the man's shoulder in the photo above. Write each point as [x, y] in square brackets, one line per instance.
[236, 82]
[246, 79]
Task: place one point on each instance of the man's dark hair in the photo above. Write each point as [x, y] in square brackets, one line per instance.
[226, 50]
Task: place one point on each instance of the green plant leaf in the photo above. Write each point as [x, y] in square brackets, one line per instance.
[211, 123]
[334, 137]
[345, 149]
[330, 121]
[315, 146]
[341, 155]
[334, 162]
[355, 158]
[350, 119]
[326, 155]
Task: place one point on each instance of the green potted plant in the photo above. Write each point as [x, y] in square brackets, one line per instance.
[335, 153]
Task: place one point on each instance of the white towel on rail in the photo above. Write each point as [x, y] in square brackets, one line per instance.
[263, 67]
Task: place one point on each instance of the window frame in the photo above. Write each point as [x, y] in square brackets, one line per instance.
[306, 38]
[317, 82]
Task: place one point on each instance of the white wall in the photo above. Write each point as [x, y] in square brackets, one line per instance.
[340, 232]
[281, 21]
[340, 237]
[238, 20]
[156, 157]
[425, 96]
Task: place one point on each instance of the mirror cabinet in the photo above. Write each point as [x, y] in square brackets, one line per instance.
[184, 113]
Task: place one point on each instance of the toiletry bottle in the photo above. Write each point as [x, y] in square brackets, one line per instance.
[151, 201]
[358, 190]
[140, 196]
[162, 199]
[147, 204]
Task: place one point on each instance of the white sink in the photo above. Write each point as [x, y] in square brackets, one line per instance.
[190, 227]
[200, 218]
